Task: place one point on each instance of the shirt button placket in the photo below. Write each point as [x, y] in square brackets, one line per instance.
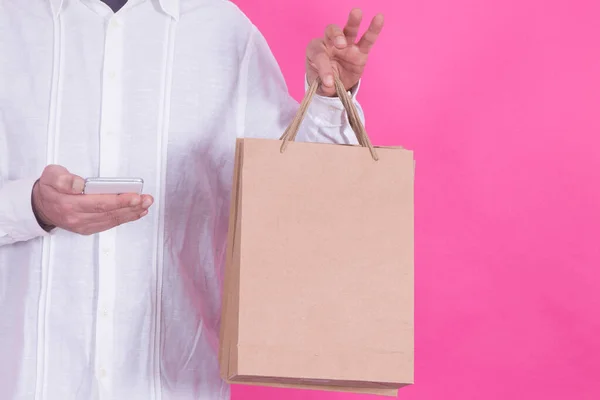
[109, 166]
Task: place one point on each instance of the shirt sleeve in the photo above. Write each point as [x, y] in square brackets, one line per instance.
[268, 107]
[17, 221]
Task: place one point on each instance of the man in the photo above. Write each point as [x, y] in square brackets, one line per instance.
[158, 90]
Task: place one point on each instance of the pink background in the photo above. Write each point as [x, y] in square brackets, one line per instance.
[501, 102]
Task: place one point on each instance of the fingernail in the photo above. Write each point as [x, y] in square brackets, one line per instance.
[135, 201]
[147, 203]
[144, 213]
[78, 185]
[328, 81]
[340, 41]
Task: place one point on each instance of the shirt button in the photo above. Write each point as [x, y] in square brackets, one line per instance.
[115, 23]
[104, 312]
[106, 251]
[102, 373]
[112, 75]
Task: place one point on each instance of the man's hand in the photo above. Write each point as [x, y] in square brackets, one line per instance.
[339, 51]
[58, 202]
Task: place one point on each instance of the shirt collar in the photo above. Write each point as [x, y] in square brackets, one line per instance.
[56, 6]
[170, 7]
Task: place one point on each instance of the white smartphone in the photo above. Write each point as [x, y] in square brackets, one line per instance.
[113, 185]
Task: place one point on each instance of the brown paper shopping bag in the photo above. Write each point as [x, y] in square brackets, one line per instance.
[318, 289]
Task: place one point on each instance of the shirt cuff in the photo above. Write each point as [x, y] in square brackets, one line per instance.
[329, 111]
[16, 211]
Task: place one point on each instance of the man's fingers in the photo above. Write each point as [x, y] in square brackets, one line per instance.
[370, 36]
[70, 184]
[147, 201]
[61, 180]
[101, 222]
[122, 216]
[321, 62]
[353, 24]
[335, 37]
[102, 203]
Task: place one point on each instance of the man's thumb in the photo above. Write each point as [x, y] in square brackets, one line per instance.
[62, 180]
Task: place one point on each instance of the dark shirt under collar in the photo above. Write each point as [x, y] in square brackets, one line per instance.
[116, 5]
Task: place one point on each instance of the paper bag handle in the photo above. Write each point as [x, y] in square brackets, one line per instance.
[353, 116]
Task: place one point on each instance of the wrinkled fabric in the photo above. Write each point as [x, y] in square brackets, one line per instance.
[160, 91]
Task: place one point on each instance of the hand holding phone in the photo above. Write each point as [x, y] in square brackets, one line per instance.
[58, 201]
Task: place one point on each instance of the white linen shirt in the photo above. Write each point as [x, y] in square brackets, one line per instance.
[159, 90]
